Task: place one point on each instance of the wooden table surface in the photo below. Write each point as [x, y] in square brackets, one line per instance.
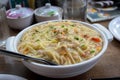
[107, 66]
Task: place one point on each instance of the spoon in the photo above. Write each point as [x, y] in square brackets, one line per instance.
[24, 57]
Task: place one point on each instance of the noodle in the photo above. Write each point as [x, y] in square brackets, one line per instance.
[62, 42]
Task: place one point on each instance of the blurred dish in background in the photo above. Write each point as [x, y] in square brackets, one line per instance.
[10, 77]
[48, 12]
[104, 5]
[19, 17]
[18, 12]
[114, 27]
[107, 9]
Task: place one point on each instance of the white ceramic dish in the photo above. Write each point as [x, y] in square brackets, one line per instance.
[67, 70]
[41, 14]
[19, 17]
[10, 77]
[114, 27]
[20, 23]
[107, 9]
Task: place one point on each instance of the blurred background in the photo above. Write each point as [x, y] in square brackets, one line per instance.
[30, 3]
[38, 3]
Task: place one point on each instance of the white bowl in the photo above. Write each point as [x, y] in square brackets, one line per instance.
[19, 17]
[11, 77]
[46, 8]
[60, 71]
[20, 23]
[114, 27]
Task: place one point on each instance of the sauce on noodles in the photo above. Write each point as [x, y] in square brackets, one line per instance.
[62, 42]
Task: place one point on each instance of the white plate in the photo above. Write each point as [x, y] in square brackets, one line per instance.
[114, 27]
[107, 9]
[10, 77]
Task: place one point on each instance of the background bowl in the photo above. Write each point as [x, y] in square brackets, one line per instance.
[19, 17]
[46, 9]
[20, 23]
[59, 71]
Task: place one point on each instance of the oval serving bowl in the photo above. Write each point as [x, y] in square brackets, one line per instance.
[59, 71]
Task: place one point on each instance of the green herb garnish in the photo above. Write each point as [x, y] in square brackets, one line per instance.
[37, 40]
[76, 38]
[92, 51]
[51, 13]
[83, 47]
[62, 26]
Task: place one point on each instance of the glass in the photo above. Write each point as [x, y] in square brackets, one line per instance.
[4, 30]
[75, 9]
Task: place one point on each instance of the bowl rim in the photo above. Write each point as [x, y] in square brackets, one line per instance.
[105, 44]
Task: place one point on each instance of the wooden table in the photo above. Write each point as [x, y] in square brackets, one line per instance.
[108, 65]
